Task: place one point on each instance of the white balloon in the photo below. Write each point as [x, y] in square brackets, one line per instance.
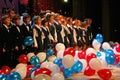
[59, 46]
[32, 75]
[46, 64]
[68, 61]
[42, 56]
[106, 46]
[20, 65]
[84, 63]
[42, 77]
[95, 64]
[52, 58]
[60, 54]
[90, 50]
[96, 44]
[103, 60]
[54, 68]
[58, 76]
[76, 55]
[22, 71]
[29, 55]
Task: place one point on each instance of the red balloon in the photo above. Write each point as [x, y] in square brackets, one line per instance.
[23, 58]
[105, 74]
[82, 54]
[117, 58]
[89, 71]
[42, 71]
[70, 51]
[90, 56]
[6, 70]
[117, 47]
[29, 67]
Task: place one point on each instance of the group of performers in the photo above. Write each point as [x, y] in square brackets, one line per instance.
[46, 29]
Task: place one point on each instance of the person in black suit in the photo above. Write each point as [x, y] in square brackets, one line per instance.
[38, 35]
[18, 40]
[58, 27]
[65, 33]
[6, 42]
[52, 29]
[26, 30]
[48, 37]
[71, 35]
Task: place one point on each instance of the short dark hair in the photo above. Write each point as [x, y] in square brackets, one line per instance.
[16, 17]
[26, 16]
[44, 21]
[5, 17]
[9, 10]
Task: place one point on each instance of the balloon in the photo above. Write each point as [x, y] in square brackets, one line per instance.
[90, 50]
[42, 56]
[51, 58]
[32, 75]
[14, 76]
[84, 64]
[60, 54]
[34, 60]
[20, 65]
[23, 58]
[70, 51]
[82, 54]
[58, 76]
[110, 59]
[106, 46]
[54, 68]
[29, 67]
[117, 58]
[96, 45]
[117, 47]
[109, 51]
[3, 77]
[105, 74]
[46, 64]
[49, 52]
[90, 56]
[99, 38]
[22, 71]
[65, 60]
[59, 46]
[6, 70]
[28, 41]
[32, 70]
[58, 61]
[95, 64]
[77, 67]
[42, 77]
[76, 55]
[42, 71]
[67, 72]
[89, 72]
[98, 54]
[29, 55]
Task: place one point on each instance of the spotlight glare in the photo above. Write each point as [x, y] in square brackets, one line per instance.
[65, 1]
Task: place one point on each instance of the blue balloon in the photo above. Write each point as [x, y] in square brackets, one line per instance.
[28, 41]
[49, 52]
[68, 72]
[14, 76]
[77, 67]
[98, 54]
[109, 51]
[32, 70]
[118, 65]
[58, 61]
[110, 59]
[3, 77]
[34, 60]
[99, 38]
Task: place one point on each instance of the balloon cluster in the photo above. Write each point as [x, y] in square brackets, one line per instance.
[66, 62]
